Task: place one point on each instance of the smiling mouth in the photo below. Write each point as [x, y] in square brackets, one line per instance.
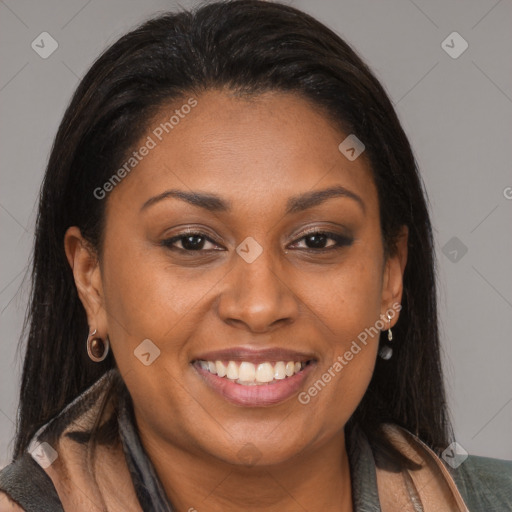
[247, 373]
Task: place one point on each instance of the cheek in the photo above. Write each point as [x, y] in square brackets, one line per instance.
[138, 305]
[146, 300]
[146, 297]
[348, 297]
[143, 292]
[348, 303]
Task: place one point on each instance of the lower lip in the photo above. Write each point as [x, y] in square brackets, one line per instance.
[258, 395]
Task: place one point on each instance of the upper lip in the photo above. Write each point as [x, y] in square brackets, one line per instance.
[255, 356]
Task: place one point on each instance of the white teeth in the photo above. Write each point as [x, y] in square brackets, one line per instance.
[232, 371]
[221, 369]
[247, 373]
[279, 371]
[265, 372]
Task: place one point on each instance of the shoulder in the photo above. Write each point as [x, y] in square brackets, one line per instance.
[25, 482]
[485, 482]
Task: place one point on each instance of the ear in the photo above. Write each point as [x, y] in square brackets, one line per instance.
[392, 284]
[87, 274]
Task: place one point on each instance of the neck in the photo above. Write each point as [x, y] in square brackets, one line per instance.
[315, 480]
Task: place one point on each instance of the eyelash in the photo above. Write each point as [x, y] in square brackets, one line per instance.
[341, 241]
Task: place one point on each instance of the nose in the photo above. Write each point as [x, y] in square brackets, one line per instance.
[257, 297]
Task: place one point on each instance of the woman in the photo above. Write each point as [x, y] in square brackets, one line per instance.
[233, 301]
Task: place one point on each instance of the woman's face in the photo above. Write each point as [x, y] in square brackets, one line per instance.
[249, 285]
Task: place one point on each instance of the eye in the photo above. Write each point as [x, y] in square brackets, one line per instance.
[317, 241]
[190, 241]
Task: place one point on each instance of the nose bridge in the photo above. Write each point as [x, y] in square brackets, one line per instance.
[256, 295]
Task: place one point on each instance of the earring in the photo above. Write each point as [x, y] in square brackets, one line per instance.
[97, 349]
[386, 351]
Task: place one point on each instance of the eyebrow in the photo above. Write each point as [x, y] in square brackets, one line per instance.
[214, 203]
[209, 202]
[315, 197]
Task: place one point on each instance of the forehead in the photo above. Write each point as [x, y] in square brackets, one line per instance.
[247, 149]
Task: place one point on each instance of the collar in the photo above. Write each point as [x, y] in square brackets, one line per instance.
[115, 474]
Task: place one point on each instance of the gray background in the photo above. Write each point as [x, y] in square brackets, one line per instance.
[456, 112]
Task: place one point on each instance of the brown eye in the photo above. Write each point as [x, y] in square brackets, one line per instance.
[189, 242]
[319, 240]
[193, 242]
[316, 241]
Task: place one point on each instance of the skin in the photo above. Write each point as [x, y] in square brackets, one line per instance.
[255, 153]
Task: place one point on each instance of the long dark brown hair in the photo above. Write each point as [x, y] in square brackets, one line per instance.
[250, 47]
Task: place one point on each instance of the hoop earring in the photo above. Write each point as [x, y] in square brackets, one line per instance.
[386, 351]
[97, 349]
